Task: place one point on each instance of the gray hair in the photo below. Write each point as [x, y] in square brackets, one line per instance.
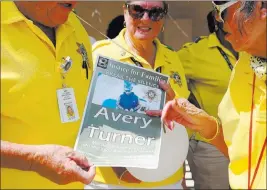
[246, 9]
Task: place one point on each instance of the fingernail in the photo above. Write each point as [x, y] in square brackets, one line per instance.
[172, 125]
[148, 113]
[164, 128]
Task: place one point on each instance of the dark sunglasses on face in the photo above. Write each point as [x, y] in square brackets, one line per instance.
[137, 12]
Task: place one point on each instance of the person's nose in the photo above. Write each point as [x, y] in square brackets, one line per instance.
[145, 17]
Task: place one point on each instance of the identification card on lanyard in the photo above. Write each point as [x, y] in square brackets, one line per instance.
[66, 98]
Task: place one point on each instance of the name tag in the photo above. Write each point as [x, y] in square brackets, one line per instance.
[67, 105]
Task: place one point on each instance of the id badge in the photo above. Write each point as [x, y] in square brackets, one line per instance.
[67, 105]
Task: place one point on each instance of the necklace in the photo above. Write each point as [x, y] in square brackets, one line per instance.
[258, 65]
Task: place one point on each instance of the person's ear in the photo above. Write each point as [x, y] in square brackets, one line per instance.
[124, 8]
[263, 10]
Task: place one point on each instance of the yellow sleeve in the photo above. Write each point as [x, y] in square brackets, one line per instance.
[98, 48]
[183, 90]
[94, 51]
[11, 79]
[187, 59]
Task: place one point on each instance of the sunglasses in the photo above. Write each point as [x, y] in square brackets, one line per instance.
[137, 12]
[221, 6]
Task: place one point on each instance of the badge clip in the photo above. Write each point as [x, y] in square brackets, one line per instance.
[65, 67]
[81, 50]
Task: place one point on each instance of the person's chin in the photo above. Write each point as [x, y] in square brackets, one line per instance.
[231, 39]
[58, 22]
[142, 37]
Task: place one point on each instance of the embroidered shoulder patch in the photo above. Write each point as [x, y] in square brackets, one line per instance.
[176, 77]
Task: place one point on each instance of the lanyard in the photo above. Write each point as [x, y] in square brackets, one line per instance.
[250, 183]
[225, 58]
[85, 66]
[138, 64]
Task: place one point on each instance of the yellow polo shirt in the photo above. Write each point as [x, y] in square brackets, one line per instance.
[29, 79]
[170, 64]
[207, 72]
[234, 112]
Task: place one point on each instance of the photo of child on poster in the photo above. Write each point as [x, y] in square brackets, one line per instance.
[125, 95]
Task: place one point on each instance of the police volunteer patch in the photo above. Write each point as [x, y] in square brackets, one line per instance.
[176, 77]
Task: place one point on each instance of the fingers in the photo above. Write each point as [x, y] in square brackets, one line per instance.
[169, 124]
[167, 108]
[153, 113]
[182, 111]
[172, 112]
[80, 159]
[163, 85]
[83, 170]
[168, 89]
[81, 175]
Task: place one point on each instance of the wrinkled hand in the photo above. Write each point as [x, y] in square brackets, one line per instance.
[182, 111]
[170, 95]
[62, 165]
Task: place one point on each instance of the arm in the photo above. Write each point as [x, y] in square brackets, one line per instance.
[183, 112]
[16, 156]
[218, 141]
[59, 164]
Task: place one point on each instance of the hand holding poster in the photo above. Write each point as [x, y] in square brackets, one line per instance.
[115, 130]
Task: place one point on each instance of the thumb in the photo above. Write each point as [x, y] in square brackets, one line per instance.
[153, 113]
[79, 159]
[168, 89]
[89, 175]
[163, 85]
[82, 175]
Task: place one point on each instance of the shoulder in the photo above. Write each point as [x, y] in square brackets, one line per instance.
[107, 48]
[168, 52]
[195, 48]
[80, 33]
[170, 55]
[164, 48]
[75, 23]
[168, 47]
[197, 43]
[102, 44]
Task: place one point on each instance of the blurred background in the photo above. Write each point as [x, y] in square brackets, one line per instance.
[189, 19]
